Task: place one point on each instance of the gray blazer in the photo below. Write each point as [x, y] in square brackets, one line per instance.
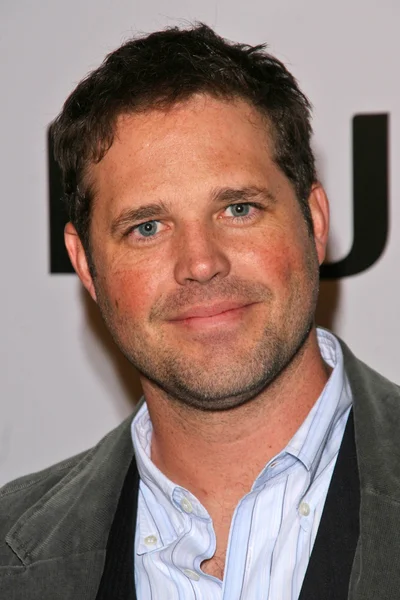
[54, 524]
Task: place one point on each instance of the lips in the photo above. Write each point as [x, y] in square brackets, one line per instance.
[210, 310]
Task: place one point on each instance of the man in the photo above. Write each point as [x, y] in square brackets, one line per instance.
[263, 461]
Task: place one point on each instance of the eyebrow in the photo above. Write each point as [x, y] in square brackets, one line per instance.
[156, 210]
[245, 194]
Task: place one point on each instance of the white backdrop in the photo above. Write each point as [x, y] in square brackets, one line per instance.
[60, 388]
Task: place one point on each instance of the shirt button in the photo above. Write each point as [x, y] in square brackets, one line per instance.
[187, 507]
[304, 509]
[191, 574]
[150, 540]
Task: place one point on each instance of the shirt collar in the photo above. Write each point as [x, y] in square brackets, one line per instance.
[310, 439]
[163, 489]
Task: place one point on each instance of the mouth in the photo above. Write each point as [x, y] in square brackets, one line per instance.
[212, 315]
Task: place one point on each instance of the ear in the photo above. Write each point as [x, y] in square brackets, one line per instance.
[78, 258]
[319, 207]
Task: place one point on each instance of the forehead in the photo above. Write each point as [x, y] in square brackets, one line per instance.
[192, 110]
[201, 139]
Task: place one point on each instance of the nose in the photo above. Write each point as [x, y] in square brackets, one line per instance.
[200, 256]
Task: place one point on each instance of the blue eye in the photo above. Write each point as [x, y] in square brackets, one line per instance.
[240, 210]
[147, 229]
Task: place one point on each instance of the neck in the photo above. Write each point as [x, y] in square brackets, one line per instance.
[223, 452]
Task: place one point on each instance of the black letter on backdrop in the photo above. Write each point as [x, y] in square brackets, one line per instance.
[59, 259]
[370, 197]
[370, 202]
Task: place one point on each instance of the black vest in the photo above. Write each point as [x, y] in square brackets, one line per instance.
[329, 568]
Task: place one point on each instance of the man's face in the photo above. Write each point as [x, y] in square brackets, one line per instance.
[206, 274]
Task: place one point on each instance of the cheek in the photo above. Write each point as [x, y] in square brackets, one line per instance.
[129, 294]
[129, 285]
[275, 257]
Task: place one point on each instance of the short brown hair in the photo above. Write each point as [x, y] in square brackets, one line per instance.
[167, 67]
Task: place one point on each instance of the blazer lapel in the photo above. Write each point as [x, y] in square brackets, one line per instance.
[329, 569]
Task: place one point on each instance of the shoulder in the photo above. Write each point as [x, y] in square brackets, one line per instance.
[37, 484]
[366, 380]
[376, 408]
[28, 486]
[16, 497]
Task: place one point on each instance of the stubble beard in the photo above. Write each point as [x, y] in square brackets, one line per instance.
[208, 387]
[209, 384]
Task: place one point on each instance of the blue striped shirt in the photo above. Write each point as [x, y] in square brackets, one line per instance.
[273, 527]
